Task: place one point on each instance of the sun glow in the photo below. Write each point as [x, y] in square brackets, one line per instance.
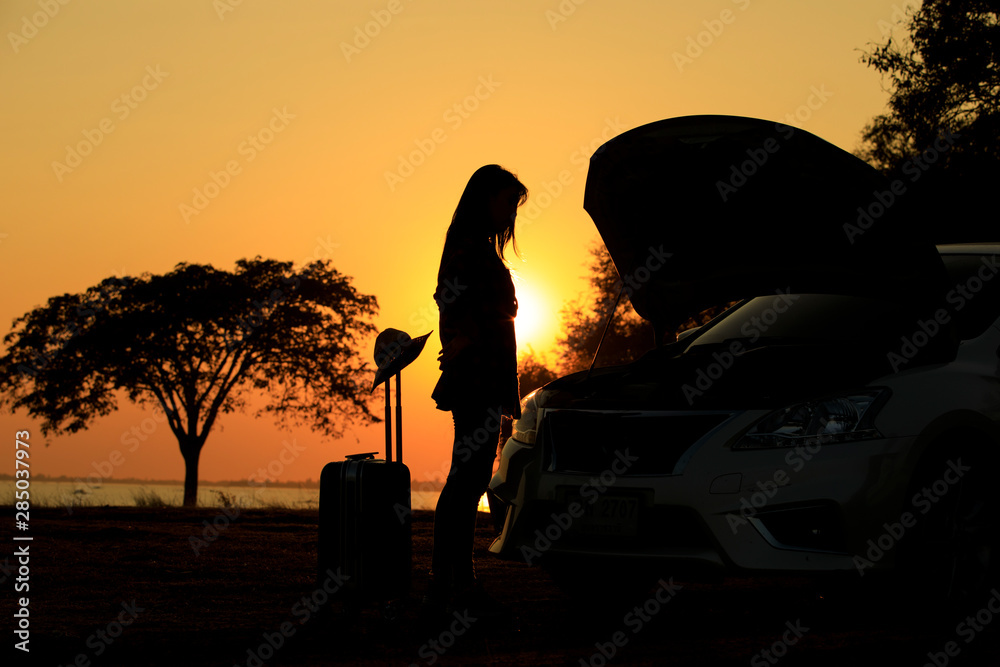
[537, 319]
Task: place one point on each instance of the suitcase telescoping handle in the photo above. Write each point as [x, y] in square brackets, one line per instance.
[399, 420]
[394, 350]
[399, 415]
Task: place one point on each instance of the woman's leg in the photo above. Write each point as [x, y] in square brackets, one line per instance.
[477, 431]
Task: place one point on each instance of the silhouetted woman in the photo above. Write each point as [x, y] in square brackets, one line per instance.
[478, 384]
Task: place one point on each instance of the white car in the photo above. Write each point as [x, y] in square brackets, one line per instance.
[843, 416]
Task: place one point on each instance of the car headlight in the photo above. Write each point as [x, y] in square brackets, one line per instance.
[526, 426]
[842, 418]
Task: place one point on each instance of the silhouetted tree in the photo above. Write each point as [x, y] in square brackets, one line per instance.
[198, 342]
[583, 320]
[942, 121]
[532, 372]
[629, 336]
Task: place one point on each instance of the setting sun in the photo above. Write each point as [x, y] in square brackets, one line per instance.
[537, 318]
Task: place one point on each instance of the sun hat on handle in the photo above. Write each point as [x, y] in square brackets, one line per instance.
[394, 351]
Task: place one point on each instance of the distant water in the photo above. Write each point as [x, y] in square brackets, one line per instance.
[68, 494]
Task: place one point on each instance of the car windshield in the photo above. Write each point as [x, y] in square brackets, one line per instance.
[805, 318]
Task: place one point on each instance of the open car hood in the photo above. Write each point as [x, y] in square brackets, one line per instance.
[745, 207]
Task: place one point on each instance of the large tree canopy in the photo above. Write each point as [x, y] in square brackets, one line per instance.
[939, 132]
[198, 342]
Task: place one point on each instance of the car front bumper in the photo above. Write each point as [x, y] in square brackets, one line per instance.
[815, 509]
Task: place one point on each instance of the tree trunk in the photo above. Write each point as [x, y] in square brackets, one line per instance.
[191, 456]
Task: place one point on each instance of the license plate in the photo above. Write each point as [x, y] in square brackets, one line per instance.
[608, 515]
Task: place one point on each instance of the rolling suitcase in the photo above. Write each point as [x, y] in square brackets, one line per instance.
[364, 503]
[364, 528]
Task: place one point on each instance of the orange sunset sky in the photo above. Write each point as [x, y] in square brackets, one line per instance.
[327, 142]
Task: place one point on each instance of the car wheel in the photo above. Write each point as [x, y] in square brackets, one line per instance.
[949, 558]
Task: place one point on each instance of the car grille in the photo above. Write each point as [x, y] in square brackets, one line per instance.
[659, 527]
[592, 441]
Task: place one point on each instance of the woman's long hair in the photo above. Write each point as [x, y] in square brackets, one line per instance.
[473, 208]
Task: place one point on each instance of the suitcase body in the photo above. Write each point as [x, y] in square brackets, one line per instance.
[364, 527]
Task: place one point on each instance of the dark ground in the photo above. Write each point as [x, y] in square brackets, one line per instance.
[100, 566]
